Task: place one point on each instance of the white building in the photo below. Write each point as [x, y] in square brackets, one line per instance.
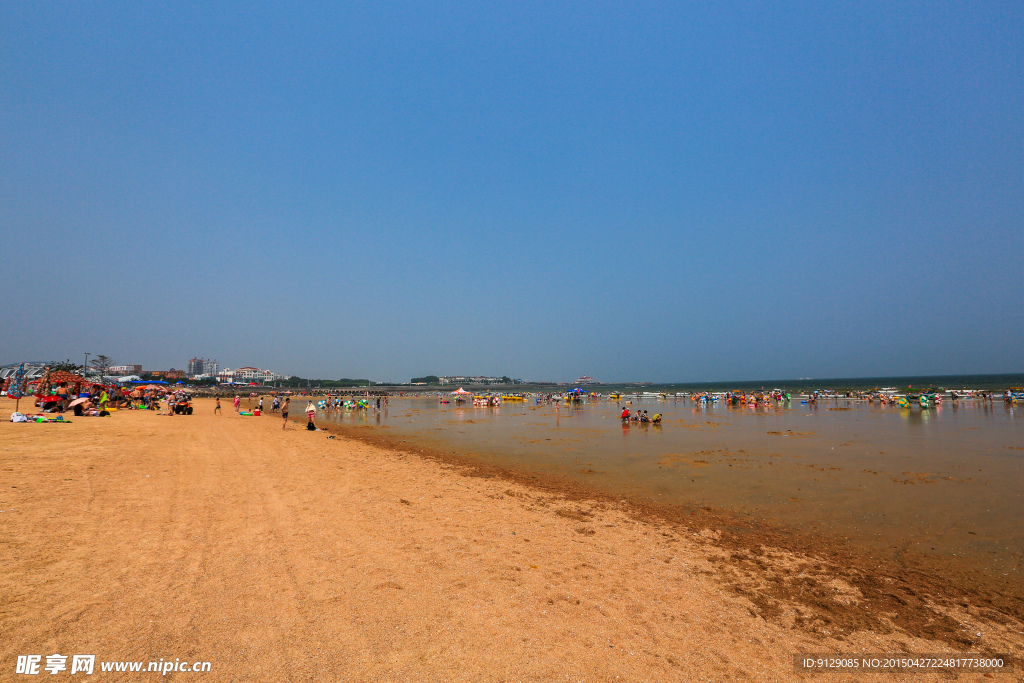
[118, 370]
[248, 374]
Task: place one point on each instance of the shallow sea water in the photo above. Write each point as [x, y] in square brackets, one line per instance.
[946, 480]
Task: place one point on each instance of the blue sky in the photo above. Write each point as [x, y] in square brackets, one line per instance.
[666, 192]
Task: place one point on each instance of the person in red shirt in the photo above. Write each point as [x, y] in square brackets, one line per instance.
[625, 414]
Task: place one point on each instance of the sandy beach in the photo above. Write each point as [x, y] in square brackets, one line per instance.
[287, 555]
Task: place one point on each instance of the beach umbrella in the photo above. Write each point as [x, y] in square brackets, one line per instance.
[43, 385]
[76, 402]
[58, 376]
[16, 385]
[461, 392]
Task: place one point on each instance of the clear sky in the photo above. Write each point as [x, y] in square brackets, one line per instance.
[662, 191]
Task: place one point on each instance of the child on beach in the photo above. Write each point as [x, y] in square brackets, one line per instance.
[217, 409]
[284, 413]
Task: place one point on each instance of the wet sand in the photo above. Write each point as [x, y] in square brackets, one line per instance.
[938, 483]
[286, 555]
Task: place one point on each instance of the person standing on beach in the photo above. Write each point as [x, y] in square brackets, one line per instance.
[238, 403]
[216, 410]
[284, 412]
[62, 394]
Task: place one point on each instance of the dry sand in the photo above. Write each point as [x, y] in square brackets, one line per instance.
[284, 555]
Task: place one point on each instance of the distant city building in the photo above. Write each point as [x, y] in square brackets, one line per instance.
[121, 370]
[165, 374]
[248, 374]
[198, 367]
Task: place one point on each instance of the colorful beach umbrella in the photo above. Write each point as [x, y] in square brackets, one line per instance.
[16, 386]
[43, 387]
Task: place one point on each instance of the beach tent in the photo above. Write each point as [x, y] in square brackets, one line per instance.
[461, 392]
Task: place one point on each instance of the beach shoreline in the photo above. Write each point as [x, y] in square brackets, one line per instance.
[284, 554]
[895, 585]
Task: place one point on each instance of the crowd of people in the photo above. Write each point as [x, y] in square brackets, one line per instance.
[89, 399]
[640, 417]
